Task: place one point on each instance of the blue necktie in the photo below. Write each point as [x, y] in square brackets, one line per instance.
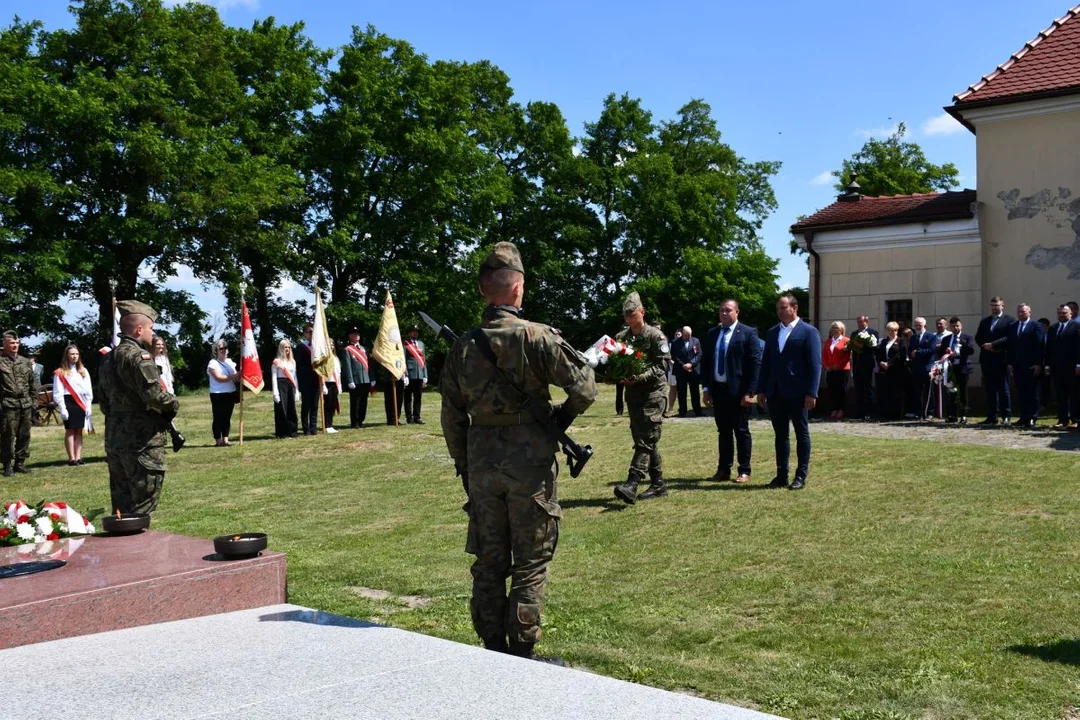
[721, 355]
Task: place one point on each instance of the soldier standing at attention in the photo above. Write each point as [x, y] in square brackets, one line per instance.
[646, 399]
[18, 398]
[505, 458]
[357, 378]
[137, 412]
[416, 370]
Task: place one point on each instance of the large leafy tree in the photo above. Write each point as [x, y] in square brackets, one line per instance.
[895, 166]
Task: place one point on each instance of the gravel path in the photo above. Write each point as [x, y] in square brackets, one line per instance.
[998, 436]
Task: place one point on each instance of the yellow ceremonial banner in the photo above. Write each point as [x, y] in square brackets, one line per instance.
[387, 348]
[322, 355]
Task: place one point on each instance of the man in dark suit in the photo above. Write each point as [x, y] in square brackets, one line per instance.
[956, 349]
[1026, 350]
[1060, 365]
[730, 363]
[789, 380]
[922, 351]
[686, 357]
[992, 337]
[307, 383]
[862, 371]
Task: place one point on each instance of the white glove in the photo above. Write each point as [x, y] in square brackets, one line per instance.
[406, 379]
[325, 389]
[296, 397]
[277, 398]
[352, 386]
[423, 382]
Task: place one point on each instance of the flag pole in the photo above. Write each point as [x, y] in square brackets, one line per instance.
[241, 386]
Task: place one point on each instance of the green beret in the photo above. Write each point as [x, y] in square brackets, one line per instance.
[503, 255]
[134, 307]
[632, 303]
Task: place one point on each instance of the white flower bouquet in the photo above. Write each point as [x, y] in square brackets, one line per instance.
[23, 524]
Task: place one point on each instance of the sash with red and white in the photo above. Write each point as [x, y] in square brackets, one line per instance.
[62, 377]
[358, 354]
[416, 352]
[285, 371]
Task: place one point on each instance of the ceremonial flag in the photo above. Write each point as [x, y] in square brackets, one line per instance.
[322, 357]
[115, 330]
[387, 348]
[250, 370]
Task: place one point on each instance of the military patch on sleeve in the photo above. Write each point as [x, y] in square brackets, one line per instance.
[665, 348]
[146, 356]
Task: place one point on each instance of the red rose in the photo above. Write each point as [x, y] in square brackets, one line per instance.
[23, 519]
[52, 536]
[637, 354]
[4, 532]
[54, 517]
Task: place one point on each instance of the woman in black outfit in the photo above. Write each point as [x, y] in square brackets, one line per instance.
[891, 374]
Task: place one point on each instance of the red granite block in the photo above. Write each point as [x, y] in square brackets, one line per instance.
[119, 582]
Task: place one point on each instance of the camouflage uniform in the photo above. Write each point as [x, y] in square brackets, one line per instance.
[510, 462]
[18, 397]
[137, 412]
[646, 399]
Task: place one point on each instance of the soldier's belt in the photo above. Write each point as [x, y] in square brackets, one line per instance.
[505, 419]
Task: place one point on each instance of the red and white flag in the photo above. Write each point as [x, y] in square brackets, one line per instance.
[250, 370]
[115, 330]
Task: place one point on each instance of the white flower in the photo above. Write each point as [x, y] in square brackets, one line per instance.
[44, 524]
[25, 531]
[40, 538]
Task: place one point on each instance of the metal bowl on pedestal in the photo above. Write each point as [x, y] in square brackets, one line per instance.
[125, 523]
[240, 545]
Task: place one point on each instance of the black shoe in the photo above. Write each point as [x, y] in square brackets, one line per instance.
[72, 463]
[22, 469]
[525, 650]
[779, 482]
[7, 471]
[988, 421]
[963, 421]
[655, 490]
[497, 645]
[418, 421]
[682, 414]
[950, 420]
[627, 492]
[797, 484]
[698, 413]
[1007, 422]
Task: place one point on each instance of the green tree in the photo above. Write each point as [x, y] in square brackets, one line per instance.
[895, 166]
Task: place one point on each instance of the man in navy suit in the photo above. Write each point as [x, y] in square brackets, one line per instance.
[307, 383]
[922, 352]
[956, 349]
[790, 376]
[992, 336]
[730, 363]
[1026, 350]
[1060, 364]
[686, 357]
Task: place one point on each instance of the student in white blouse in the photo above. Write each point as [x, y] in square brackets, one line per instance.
[73, 394]
[286, 392]
[223, 384]
[161, 359]
[332, 393]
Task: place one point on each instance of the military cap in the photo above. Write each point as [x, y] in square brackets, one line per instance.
[632, 303]
[354, 331]
[504, 255]
[134, 307]
[414, 327]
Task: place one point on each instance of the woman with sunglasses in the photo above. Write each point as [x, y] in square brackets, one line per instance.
[223, 384]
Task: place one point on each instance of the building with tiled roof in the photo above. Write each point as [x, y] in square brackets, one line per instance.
[1016, 235]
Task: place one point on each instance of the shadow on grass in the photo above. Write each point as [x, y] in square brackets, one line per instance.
[704, 484]
[609, 504]
[1066, 652]
[64, 463]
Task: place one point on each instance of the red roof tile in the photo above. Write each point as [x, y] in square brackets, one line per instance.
[1050, 62]
[890, 210]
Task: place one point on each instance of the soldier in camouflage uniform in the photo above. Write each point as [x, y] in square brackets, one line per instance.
[18, 399]
[646, 399]
[137, 412]
[506, 459]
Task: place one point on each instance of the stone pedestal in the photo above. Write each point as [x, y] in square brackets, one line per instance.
[111, 583]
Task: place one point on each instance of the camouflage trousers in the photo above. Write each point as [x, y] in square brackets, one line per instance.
[646, 422]
[514, 519]
[136, 457]
[15, 436]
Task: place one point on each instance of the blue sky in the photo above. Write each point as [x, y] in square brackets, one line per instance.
[801, 82]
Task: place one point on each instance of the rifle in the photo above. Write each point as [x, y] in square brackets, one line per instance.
[576, 455]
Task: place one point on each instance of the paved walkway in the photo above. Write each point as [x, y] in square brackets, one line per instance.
[287, 662]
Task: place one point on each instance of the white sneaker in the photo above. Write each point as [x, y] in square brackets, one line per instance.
[331, 430]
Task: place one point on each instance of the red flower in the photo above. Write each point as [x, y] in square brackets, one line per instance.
[23, 519]
[61, 505]
[54, 517]
[52, 536]
[4, 532]
[637, 354]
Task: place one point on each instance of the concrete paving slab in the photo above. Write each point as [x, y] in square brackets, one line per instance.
[286, 662]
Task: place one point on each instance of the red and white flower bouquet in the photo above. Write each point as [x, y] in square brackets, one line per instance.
[23, 524]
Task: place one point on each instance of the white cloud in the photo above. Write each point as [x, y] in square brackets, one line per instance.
[824, 177]
[943, 124]
[880, 133]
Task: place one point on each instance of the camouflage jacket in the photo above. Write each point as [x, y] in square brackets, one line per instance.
[483, 418]
[18, 387]
[654, 380]
[129, 381]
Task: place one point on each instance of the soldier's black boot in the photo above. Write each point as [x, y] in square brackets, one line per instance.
[525, 650]
[7, 471]
[627, 492]
[21, 469]
[496, 644]
[656, 489]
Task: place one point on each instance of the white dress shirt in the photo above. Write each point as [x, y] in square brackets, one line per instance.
[785, 332]
[720, 373]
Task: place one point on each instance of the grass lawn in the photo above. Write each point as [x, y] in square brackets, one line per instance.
[908, 580]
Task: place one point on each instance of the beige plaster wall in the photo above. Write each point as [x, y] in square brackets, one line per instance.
[1029, 209]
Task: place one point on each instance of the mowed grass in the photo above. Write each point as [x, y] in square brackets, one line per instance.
[908, 580]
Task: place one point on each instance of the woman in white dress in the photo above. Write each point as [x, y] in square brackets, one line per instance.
[73, 394]
[223, 384]
[161, 359]
[286, 392]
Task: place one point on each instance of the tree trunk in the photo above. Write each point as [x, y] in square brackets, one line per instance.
[267, 346]
[126, 280]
